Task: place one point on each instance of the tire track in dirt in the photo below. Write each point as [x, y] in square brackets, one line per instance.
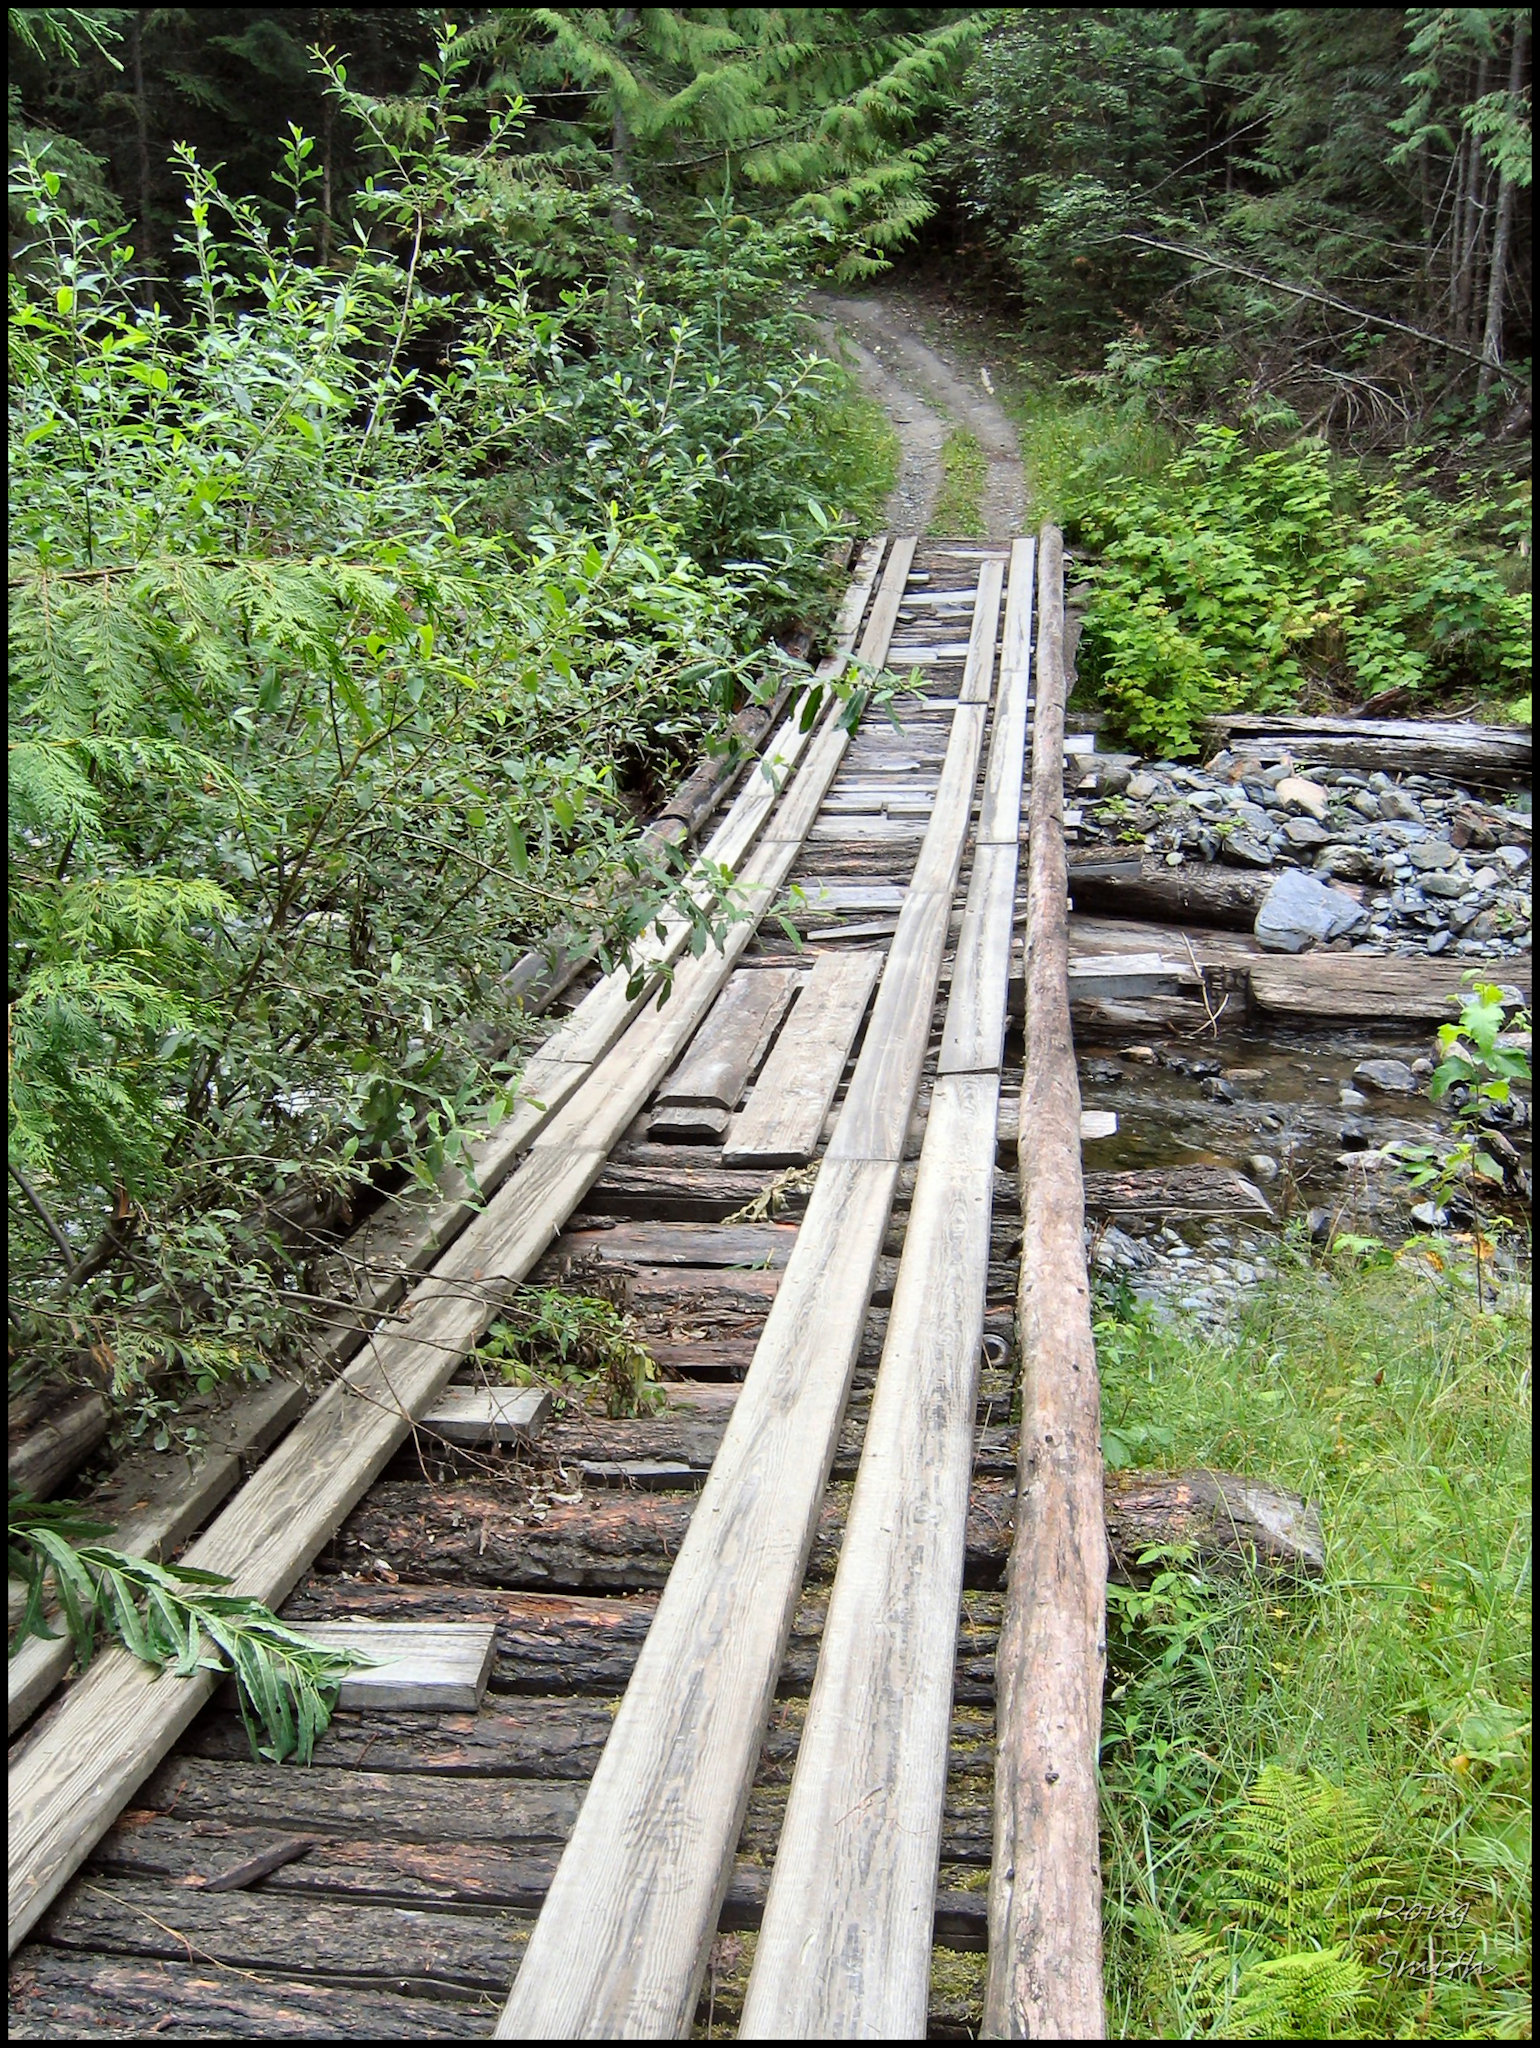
[926, 396]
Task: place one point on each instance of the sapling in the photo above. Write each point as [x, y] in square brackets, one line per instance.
[1475, 1058]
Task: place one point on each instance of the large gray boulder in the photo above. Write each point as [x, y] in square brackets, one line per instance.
[1299, 911]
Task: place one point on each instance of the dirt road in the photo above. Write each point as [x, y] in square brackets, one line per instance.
[927, 396]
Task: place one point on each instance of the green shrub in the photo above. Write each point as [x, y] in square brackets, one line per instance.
[1246, 580]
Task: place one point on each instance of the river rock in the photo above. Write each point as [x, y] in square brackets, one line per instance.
[1296, 794]
[1143, 786]
[1263, 1166]
[1446, 882]
[1242, 850]
[1365, 803]
[1514, 857]
[1298, 911]
[1306, 832]
[1399, 803]
[1431, 854]
[1390, 1077]
[1346, 863]
[1439, 941]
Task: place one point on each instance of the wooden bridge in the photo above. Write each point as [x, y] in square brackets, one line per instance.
[789, 1812]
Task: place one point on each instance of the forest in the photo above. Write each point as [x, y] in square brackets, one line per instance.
[426, 441]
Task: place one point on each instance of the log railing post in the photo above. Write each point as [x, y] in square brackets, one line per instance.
[1045, 1935]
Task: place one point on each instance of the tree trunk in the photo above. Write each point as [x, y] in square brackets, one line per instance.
[1470, 225]
[622, 259]
[1492, 339]
[141, 137]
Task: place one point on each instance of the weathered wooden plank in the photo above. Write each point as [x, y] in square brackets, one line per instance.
[978, 681]
[752, 1245]
[844, 1952]
[783, 1119]
[487, 1415]
[1045, 1964]
[861, 829]
[620, 1946]
[440, 1666]
[57, 1996]
[689, 1123]
[1000, 809]
[974, 1034]
[1383, 986]
[115, 1727]
[875, 1118]
[845, 1947]
[1127, 974]
[682, 1193]
[383, 1946]
[726, 1049]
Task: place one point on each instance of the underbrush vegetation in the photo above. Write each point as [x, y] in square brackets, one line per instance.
[1230, 575]
[357, 605]
[1316, 1812]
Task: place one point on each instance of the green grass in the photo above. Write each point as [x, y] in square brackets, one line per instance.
[1386, 1848]
[1071, 449]
[857, 458]
[959, 509]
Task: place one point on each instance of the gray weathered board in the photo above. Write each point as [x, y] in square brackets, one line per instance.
[427, 1666]
[844, 1950]
[724, 1052]
[783, 1118]
[620, 1947]
[488, 1415]
[1127, 974]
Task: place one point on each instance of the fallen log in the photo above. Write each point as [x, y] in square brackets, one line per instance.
[1482, 754]
[1174, 1191]
[39, 1461]
[1045, 1932]
[469, 1533]
[1376, 987]
[1191, 894]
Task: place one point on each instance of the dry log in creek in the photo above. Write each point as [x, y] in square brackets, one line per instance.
[1482, 754]
[1186, 895]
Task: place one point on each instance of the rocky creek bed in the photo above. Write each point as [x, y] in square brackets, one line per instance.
[1414, 865]
[1432, 868]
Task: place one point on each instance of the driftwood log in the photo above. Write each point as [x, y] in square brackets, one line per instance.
[1192, 894]
[1045, 1934]
[1487, 755]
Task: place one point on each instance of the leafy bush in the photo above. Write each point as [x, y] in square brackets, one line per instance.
[308, 740]
[576, 1344]
[177, 1619]
[1259, 580]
